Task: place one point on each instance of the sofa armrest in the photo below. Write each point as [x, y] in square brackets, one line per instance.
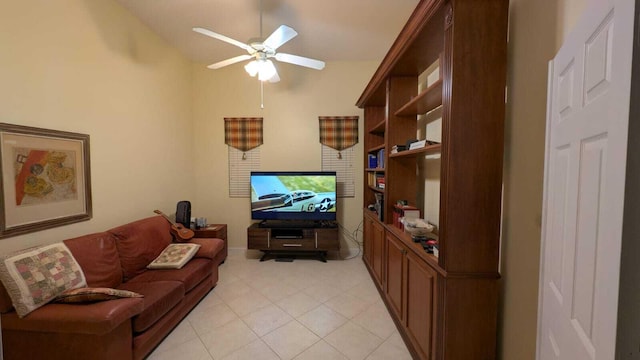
[209, 247]
[96, 318]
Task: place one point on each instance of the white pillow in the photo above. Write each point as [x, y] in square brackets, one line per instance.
[35, 276]
[174, 256]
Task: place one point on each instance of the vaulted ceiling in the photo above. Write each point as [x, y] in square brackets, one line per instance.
[328, 30]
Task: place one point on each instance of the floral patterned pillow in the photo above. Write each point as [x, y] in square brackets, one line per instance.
[174, 256]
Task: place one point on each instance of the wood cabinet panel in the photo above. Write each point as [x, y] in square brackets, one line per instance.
[258, 238]
[327, 239]
[292, 244]
[367, 245]
[395, 278]
[421, 305]
[377, 241]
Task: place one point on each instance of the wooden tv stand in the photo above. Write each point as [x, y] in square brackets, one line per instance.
[293, 240]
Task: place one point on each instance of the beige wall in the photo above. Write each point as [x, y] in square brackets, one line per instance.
[535, 33]
[291, 110]
[88, 66]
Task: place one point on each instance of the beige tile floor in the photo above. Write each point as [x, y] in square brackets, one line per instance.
[300, 310]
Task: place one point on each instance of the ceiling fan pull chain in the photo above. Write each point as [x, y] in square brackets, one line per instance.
[261, 94]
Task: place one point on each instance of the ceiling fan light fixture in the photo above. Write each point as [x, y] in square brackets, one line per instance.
[261, 67]
[252, 68]
[266, 70]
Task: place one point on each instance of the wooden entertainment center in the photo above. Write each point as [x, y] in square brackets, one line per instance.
[291, 240]
[445, 73]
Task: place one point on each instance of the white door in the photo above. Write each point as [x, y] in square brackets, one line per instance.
[587, 121]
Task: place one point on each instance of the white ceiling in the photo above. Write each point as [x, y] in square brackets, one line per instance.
[328, 30]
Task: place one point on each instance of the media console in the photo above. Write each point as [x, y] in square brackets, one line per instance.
[286, 239]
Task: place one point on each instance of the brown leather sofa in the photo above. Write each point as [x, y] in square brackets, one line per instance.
[128, 328]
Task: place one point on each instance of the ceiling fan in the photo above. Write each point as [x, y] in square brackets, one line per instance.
[262, 52]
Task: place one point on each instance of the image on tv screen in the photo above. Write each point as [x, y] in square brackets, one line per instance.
[293, 193]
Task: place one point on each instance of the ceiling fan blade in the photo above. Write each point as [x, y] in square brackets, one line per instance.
[223, 38]
[230, 61]
[279, 37]
[300, 60]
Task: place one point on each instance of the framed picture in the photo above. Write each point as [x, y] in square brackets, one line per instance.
[45, 179]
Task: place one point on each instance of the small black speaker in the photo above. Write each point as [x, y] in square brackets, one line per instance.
[183, 213]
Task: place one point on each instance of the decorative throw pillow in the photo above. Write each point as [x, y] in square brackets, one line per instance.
[174, 256]
[88, 295]
[35, 276]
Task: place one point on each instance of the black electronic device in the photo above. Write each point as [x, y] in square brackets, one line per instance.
[183, 213]
[293, 195]
[287, 233]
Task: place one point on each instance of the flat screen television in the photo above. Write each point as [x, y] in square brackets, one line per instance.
[293, 195]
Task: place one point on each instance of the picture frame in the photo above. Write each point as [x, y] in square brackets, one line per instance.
[45, 179]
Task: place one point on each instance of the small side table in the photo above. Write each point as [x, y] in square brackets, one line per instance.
[214, 231]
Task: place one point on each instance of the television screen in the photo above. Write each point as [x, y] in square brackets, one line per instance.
[289, 195]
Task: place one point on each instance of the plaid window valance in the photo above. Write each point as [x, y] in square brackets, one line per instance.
[243, 134]
[338, 132]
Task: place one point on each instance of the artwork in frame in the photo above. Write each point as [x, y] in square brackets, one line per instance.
[45, 179]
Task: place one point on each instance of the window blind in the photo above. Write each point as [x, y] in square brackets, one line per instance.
[240, 170]
[343, 166]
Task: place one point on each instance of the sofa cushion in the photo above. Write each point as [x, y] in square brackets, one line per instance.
[174, 256]
[140, 242]
[35, 276]
[190, 275]
[159, 298]
[95, 318]
[98, 257]
[93, 294]
[209, 247]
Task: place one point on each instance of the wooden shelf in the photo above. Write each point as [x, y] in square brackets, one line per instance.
[429, 149]
[429, 99]
[376, 189]
[378, 129]
[375, 169]
[375, 148]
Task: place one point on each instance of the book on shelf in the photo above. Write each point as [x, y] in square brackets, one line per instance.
[381, 158]
[373, 161]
